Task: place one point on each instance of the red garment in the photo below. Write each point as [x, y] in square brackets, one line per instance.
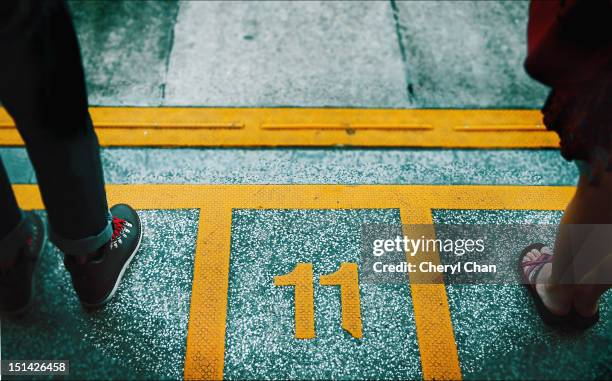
[568, 42]
[570, 50]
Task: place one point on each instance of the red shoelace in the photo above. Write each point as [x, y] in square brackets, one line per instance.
[117, 227]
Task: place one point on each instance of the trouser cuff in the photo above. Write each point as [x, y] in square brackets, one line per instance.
[85, 245]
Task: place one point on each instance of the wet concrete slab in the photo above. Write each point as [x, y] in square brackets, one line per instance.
[285, 53]
[353, 54]
[466, 54]
[125, 47]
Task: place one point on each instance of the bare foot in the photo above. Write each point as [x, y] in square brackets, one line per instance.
[557, 298]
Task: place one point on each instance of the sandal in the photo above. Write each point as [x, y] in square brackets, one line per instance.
[529, 273]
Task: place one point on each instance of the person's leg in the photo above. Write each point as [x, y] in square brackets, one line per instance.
[590, 286]
[557, 283]
[22, 238]
[42, 86]
[10, 221]
[11, 215]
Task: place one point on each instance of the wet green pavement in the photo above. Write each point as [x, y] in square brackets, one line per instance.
[500, 336]
[319, 166]
[142, 333]
[417, 54]
[379, 55]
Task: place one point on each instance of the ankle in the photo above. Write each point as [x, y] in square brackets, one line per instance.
[556, 297]
[586, 300]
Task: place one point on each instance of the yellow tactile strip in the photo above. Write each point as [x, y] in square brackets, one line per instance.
[206, 336]
[251, 127]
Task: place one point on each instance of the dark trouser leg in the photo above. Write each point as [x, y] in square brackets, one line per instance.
[11, 215]
[13, 230]
[42, 86]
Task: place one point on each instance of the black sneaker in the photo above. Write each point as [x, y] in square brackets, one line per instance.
[17, 282]
[97, 280]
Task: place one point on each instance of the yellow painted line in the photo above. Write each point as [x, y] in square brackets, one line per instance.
[437, 345]
[206, 335]
[205, 352]
[500, 128]
[346, 126]
[179, 126]
[246, 127]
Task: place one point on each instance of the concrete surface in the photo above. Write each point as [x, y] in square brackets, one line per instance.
[125, 47]
[285, 53]
[382, 54]
[305, 54]
[140, 334]
[319, 166]
[466, 54]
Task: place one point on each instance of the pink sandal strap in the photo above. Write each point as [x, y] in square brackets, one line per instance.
[532, 268]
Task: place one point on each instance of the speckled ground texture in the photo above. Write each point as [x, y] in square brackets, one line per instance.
[497, 330]
[125, 47]
[466, 54]
[388, 54]
[140, 334]
[260, 315]
[391, 54]
[320, 166]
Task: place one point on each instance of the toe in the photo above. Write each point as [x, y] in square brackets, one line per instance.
[536, 254]
[527, 257]
[547, 250]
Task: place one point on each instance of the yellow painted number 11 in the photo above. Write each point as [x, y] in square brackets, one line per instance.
[302, 279]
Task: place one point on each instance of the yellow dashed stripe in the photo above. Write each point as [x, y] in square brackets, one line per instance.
[244, 127]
